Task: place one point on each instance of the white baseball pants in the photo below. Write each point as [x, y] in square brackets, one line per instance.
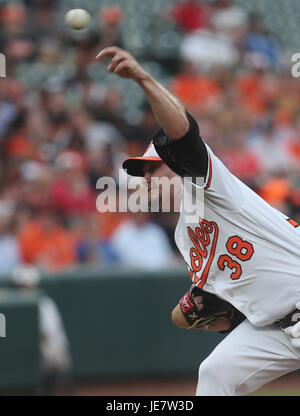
[248, 358]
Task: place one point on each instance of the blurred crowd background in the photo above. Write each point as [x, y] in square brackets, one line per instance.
[65, 122]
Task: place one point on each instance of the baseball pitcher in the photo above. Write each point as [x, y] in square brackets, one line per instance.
[243, 255]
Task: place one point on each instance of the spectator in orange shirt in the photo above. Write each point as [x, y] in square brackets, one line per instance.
[45, 243]
[197, 91]
[256, 91]
[276, 192]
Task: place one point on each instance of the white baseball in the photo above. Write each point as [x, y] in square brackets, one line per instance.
[77, 18]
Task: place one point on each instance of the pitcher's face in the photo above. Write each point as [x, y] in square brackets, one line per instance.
[160, 181]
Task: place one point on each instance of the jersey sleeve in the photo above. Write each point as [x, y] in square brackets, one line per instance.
[191, 157]
[186, 156]
[221, 187]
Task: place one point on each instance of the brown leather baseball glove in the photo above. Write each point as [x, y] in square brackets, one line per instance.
[213, 309]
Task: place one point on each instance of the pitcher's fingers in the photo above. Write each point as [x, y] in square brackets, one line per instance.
[122, 65]
[110, 51]
[116, 60]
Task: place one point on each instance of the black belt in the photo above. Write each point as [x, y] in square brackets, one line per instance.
[289, 319]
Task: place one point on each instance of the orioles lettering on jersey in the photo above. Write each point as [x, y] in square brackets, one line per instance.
[204, 239]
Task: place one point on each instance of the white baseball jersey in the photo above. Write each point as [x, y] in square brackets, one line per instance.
[242, 250]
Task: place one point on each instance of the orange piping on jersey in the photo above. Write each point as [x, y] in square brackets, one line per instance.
[293, 222]
[210, 173]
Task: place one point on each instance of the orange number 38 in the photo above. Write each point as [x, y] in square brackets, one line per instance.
[239, 248]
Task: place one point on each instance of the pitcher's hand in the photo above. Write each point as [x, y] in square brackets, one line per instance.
[123, 63]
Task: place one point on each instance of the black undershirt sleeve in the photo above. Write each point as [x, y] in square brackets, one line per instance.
[186, 156]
